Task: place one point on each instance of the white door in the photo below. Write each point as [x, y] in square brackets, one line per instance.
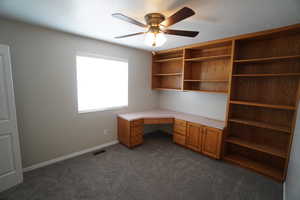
[10, 159]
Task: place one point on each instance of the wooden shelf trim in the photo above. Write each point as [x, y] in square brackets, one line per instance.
[190, 80]
[168, 59]
[257, 147]
[267, 59]
[247, 103]
[261, 168]
[211, 48]
[208, 91]
[261, 125]
[266, 75]
[168, 74]
[171, 89]
[199, 59]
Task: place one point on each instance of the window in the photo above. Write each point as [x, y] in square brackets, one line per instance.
[102, 83]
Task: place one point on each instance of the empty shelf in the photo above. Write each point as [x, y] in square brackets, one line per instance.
[284, 107]
[259, 167]
[261, 125]
[258, 147]
[269, 59]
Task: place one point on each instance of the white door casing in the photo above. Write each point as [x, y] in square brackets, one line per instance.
[10, 157]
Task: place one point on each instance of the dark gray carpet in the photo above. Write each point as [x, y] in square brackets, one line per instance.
[157, 170]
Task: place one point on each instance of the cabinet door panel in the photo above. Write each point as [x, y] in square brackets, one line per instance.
[179, 139]
[211, 143]
[193, 140]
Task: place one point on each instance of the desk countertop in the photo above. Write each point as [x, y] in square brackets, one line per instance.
[173, 114]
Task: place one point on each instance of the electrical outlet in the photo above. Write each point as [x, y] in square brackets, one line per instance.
[106, 132]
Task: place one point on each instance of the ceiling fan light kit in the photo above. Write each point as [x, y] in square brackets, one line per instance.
[154, 36]
[155, 39]
[157, 26]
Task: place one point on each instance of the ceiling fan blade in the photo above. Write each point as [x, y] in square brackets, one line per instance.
[129, 35]
[128, 19]
[181, 33]
[178, 16]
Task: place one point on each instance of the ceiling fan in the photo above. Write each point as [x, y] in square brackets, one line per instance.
[157, 25]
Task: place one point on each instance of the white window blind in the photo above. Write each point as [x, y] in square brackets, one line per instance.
[102, 83]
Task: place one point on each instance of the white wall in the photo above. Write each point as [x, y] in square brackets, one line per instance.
[292, 184]
[198, 103]
[43, 64]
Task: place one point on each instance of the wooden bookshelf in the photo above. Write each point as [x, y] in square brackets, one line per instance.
[206, 68]
[167, 71]
[260, 73]
[198, 68]
[264, 95]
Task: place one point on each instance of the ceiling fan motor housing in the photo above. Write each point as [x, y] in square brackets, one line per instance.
[153, 21]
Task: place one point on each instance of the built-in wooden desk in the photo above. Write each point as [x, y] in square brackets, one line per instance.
[198, 133]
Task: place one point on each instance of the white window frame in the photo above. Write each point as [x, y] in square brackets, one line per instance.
[92, 55]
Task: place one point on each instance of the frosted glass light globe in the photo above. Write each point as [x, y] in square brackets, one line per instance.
[155, 40]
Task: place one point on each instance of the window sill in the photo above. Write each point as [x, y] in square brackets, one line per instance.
[101, 110]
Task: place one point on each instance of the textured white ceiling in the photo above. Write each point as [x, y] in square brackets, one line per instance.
[214, 18]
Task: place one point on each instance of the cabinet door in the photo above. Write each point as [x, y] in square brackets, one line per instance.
[211, 142]
[194, 136]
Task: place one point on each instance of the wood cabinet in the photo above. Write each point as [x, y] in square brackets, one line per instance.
[211, 142]
[200, 68]
[205, 140]
[179, 132]
[167, 70]
[263, 99]
[194, 136]
[179, 139]
[130, 133]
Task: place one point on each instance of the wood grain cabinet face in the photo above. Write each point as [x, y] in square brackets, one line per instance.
[180, 129]
[158, 121]
[124, 131]
[130, 133]
[138, 122]
[179, 122]
[136, 130]
[179, 139]
[136, 140]
[179, 132]
[194, 136]
[166, 121]
[211, 142]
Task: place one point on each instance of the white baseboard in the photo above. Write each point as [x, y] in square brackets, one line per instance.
[284, 195]
[55, 160]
